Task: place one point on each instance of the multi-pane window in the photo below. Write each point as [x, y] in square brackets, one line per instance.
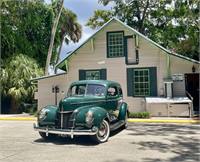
[92, 75]
[115, 44]
[141, 82]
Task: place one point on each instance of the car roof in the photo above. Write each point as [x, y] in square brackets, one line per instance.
[101, 82]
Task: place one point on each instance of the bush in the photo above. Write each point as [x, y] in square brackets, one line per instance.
[139, 115]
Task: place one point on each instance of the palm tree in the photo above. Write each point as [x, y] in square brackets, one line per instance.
[70, 29]
[53, 32]
[15, 80]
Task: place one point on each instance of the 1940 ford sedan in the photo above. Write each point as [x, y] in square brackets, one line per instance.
[91, 107]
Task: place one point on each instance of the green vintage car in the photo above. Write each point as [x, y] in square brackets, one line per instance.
[91, 107]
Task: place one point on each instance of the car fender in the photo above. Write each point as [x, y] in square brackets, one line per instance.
[99, 114]
[122, 111]
[50, 116]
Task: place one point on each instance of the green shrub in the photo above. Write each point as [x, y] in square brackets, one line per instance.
[139, 115]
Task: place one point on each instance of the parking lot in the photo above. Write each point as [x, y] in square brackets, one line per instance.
[140, 142]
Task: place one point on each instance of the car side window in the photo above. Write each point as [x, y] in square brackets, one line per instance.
[112, 91]
[77, 90]
[120, 92]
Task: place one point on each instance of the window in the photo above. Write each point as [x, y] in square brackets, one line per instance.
[112, 91]
[95, 90]
[90, 89]
[141, 82]
[92, 75]
[120, 92]
[77, 90]
[115, 44]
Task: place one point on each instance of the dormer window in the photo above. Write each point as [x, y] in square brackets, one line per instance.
[115, 44]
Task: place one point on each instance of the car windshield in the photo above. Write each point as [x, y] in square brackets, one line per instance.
[86, 90]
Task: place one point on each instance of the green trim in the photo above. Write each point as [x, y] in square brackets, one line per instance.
[103, 74]
[130, 89]
[153, 81]
[81, 74]
[107, 44]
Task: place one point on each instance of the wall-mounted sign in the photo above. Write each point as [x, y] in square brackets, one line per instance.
[177, 77]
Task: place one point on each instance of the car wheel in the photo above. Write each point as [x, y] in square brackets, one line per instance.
[44, 136]
[103, 132]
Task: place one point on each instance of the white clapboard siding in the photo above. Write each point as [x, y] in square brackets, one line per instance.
[86, 58]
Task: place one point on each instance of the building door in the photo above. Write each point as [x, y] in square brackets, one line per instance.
[192, 87]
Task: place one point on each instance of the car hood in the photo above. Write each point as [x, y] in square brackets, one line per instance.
[72, 103]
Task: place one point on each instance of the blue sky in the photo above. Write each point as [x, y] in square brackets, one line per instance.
[83, 9]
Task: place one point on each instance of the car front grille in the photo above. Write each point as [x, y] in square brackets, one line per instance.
[65, 120]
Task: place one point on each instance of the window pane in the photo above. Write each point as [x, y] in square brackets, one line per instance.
[92, 75]
[95, 90]
[115, 44]
[77, 90]
[141, 82]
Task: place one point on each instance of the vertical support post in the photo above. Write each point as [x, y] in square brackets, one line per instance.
[92, 44]
[168, 66]
[136, 41]
[66, 64]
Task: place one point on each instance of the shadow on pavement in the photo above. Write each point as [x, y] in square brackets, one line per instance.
[184, 148]
[77, 140]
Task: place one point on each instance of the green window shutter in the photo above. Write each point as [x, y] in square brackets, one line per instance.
[81, 74]
[153, 81]
[126, 47]
[103, 74]
[130, 82]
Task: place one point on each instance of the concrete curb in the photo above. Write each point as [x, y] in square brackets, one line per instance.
[131, 120]
[189, 121]
[19, 118]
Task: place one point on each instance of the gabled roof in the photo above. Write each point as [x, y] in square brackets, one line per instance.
[47, 76]
[61, 64]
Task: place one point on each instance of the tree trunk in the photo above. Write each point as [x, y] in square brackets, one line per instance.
[59, 53]
[53, 32]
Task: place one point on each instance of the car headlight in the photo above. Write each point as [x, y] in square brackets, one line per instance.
[89, 118]
[42, 114]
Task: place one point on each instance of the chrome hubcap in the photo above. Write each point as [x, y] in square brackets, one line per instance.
[103, 131]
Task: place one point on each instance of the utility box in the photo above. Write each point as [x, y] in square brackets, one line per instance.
[168, 88]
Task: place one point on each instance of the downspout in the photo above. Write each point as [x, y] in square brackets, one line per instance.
[168, 63]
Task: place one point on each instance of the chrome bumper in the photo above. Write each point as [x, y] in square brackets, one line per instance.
[70, 132]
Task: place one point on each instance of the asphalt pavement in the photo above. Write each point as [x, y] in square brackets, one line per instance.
[139, 143]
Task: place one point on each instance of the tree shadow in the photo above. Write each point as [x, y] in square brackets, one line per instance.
[184, 148]
[161, 129]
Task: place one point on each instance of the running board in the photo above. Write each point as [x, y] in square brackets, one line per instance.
[116, 125]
